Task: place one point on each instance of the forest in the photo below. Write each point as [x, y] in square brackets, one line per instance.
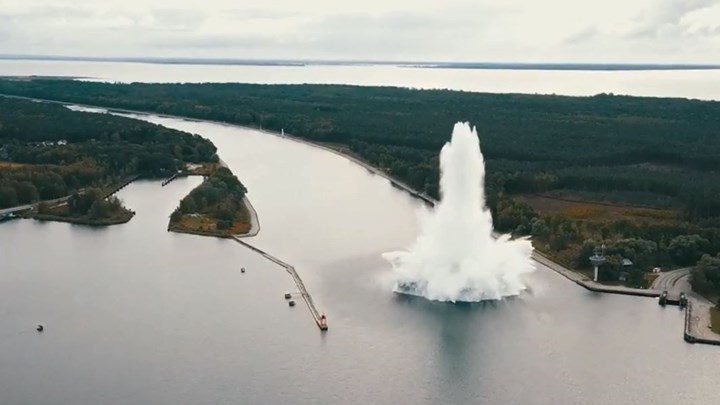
[48, 151]
[655, 156]
[215, 207]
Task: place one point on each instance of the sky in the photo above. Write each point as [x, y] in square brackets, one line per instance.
[604, 31]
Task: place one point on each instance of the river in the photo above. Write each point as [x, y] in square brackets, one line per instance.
[135, 314]
[700, 84]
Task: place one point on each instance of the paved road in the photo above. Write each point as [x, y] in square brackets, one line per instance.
[675, 280]
[57, 201]
[678, 281]
[16, 209]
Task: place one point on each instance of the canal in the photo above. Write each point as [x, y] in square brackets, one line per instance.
[134, 314]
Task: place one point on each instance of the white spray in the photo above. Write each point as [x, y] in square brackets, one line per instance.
[456, 257]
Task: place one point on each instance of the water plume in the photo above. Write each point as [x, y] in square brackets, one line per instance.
[455, 257]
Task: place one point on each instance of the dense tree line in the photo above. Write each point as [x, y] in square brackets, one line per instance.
[705, 278]
[55, 151]
[657, 152]
[647, 148]
[219, 197]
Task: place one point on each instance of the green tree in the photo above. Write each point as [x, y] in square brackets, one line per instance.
[26, 192]
[8, 196]
[686, 249]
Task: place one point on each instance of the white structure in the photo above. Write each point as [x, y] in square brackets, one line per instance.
[597, 259]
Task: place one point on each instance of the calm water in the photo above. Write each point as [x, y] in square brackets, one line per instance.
[137, 315]
[703, 84]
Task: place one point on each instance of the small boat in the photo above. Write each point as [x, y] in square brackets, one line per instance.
[40, 328]
[291, 303]
[242, 270]
[323, 322]
[287, 296]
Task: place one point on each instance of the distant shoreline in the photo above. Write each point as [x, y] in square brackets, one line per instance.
[552, 66]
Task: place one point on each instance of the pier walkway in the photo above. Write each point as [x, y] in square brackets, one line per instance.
[298, 281]
[173, 177]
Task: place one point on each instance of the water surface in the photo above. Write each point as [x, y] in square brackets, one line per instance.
[701, 84]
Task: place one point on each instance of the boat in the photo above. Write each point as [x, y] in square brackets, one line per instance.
[322, 323]
[291, 303]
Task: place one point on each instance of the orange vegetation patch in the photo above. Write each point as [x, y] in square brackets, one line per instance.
[10, 165]
[594, 210]
[204, 224]
[202, 169]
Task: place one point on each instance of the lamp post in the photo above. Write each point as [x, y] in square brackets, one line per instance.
[597, 259]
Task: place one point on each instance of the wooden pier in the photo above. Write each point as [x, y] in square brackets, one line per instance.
[121, 186]
[173, 177]
[319, 320]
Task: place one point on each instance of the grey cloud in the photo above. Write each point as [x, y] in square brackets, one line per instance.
[665, 18]
[49, 12]
[178, 19]
[394, 35]
[241, 14]
[582, 36]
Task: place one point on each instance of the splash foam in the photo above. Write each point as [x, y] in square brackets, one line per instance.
[455, 257]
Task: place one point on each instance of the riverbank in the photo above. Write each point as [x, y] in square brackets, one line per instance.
[698, 324]
[576, 277]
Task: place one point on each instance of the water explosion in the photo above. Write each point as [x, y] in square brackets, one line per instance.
[456, 257]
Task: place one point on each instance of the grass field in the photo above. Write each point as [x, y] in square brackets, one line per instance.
[594, 210]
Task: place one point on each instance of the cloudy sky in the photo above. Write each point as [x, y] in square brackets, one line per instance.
[652, 31]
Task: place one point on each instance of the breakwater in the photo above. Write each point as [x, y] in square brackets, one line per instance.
[296, 277]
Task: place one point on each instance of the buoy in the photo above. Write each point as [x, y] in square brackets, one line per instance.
[291, 303]
[287, 296]
[40, 328]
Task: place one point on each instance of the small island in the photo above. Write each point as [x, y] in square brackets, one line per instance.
[217, 207]
[91, 207]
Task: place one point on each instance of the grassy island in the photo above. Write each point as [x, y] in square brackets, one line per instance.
[639, 175]
[214, 208]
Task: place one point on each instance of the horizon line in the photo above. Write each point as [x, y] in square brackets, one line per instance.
[404, 63]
